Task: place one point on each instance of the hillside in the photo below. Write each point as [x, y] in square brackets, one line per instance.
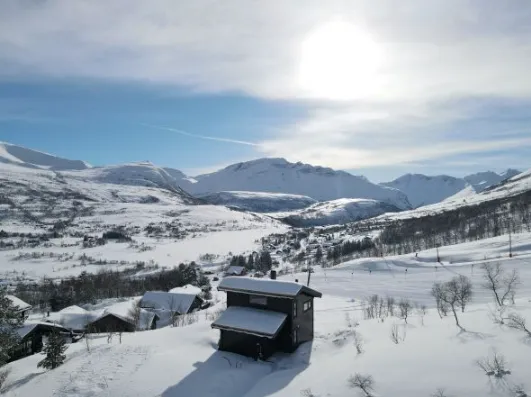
[184, 361]
[52, 221]
[21, 156]
[259, 201]
[280, 176]
[336, 212]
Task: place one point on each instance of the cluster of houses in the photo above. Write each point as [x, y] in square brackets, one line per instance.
[263, 316]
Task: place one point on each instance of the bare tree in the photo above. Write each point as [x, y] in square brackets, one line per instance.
[519, 391]
[437, 291]
[405, 308]
[496, 365]
[395, 337]
[516, 321]
[4, 373]
[390, 302]
[308, 393]
[363, 382]
[135, 314]
[421, 310]
[358, 342]
[454, 293]
[440, 392]
[502, 284]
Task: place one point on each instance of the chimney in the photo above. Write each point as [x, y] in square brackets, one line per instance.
[273, 274]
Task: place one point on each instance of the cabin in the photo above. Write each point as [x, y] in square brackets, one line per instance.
[22, 307]
[120, 318]
[31, 338]
[111, 322]
[236, 271]
[264, 316]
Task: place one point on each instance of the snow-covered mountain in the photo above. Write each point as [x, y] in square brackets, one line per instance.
[337, 212]
[260, 201]
[483, 180]
[425, 190]
[19, 155]
[277, 175]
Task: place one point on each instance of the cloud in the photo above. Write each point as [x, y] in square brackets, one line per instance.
[199, 136]
[444, 48]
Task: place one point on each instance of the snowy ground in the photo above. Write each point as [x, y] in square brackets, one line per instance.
[181, 362]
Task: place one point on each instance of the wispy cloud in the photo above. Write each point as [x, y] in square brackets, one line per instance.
[199, 136]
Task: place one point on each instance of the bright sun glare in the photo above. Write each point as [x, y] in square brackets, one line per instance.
[339, 62]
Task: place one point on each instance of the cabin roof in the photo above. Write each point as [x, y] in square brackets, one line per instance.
[252, 321]
[19, 303]
[235, 270]
[266, 287]
[160, 300]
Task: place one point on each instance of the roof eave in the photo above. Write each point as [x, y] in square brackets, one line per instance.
[249, 332]
[259, 293]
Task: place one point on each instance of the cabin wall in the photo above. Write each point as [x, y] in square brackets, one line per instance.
[304, 320]
[245, 344]
[110, 324]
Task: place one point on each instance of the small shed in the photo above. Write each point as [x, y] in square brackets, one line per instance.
[111, 322]
[22, 307]
[264, 316]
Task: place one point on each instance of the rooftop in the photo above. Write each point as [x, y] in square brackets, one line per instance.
[251, 321]
[266, 287]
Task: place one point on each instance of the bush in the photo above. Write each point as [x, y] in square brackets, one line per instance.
[496, 365]
[4, 373]
[363, 382]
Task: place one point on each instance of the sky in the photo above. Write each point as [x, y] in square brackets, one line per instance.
[379, 88]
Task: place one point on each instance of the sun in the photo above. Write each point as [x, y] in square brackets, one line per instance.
[339, 62]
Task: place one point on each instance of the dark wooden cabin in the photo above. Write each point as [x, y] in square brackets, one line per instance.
[111, 322]
[23, 309]
[264, 316]
[31, 338]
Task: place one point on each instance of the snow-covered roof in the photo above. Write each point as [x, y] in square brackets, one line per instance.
[235, 270]
[170, 301]
[19, 303]
[73, 310]
[251, 321]
[265, 287]
[187, 289]
[26, 328]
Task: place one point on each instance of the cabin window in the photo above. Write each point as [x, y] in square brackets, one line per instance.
[295, 335]
[258, 300]
[307, 305]
[294, 309]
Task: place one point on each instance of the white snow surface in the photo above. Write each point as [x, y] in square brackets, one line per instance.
[336, 212]
[276, 175]
[259, 285]
[260, 201]
[186, 289]
[18, 155]
[251, 321]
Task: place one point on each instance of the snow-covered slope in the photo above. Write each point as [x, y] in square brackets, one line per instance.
[135, 174]
[336, 212]
[280, 176]
[423, 190]
[260, 201]
[18, 155]
[483, 180]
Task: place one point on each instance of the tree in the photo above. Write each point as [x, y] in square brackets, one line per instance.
[54, 351]
[502, 284]
[318, 255]
[10, 320]
[135, 313]
[365, 383]
[405, 309]
[437, 291]
[453, 294]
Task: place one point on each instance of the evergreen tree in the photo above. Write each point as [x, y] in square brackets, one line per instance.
[10, 320]
[318, 255]
[265, 262]
[54, 351]
[250, 262]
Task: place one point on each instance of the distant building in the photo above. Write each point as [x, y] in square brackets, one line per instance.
[264, 316]
[166, 305]
[235, 271]
[22, 307]
[111, 322]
